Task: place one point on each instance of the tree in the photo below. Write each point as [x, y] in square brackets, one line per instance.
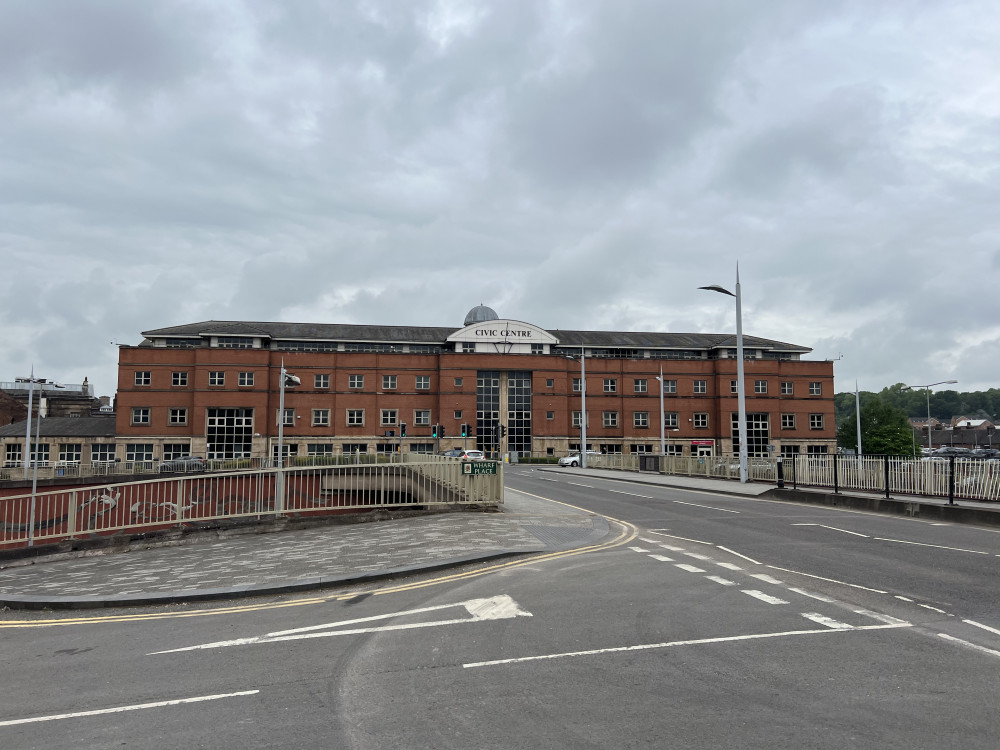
[884, 429]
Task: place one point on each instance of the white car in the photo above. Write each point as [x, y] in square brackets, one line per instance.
[573, 459]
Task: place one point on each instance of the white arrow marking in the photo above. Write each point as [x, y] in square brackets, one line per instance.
[496, 608]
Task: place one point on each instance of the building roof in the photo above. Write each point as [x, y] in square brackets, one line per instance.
[103, 426]
[438, 335]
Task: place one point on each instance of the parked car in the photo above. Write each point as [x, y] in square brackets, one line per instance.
[184, 464]
[573, 459]
[471, 455]
[452, 453]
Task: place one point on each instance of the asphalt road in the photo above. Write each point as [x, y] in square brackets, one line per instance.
[703, 621]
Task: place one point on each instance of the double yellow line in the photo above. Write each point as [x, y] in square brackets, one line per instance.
[627, 532]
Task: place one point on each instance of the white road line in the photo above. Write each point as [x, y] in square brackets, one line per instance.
[832, 528]
[984, 627]
[638, 549]
[709, 507]
[689, 568]
[904, 598]
[120, 709]
[672, 548]
[932, 609]
[682, 538]
[812, 595]
[831, 580]
[731, 552]
[936, 546]
[983, 649]
[630, 494]
[723, 581]
[577, 484]
[670, 644]
[880, 617]
[696, 556]
[767, 579]
[661, 558]
[764, 597]
[828, 621]
[647, 541]
[729, 566]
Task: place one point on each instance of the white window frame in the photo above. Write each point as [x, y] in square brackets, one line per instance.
[356, 382]
[815, 388]
[217, 377]
[421, 417]
[701, 386]
[671, 419]
[141, 415]
[816, 421]
[787, 388]
[143, 377]
[639, 385]
[389, 382]
[321, 380]
[788, 421]
[355, 417]
[670, 386]
[389, 417]
[422, 382]
[177, 415]
[611, 385]
[179, 379]
[609, 419]
[760, 386]
[640, 420]
[700, 420]
[246, 379]
[320, 417]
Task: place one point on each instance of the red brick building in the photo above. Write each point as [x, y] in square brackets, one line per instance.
[212, 389]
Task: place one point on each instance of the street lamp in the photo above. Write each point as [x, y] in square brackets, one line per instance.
[287, 379]
[583, 407]
[927, 388]
[663, 434]
[740, 385]
[27, 449]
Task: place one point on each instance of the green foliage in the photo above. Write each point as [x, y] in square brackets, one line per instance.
[884, 430]
[944, 404]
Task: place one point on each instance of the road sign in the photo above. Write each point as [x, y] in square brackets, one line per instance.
[479, 467]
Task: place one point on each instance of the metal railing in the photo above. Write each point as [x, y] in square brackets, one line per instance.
[965, 478]
[162, 503]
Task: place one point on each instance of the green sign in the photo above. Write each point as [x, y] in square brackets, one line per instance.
[479, 467]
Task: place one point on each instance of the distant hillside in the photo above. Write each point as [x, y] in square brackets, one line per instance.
[944, 404]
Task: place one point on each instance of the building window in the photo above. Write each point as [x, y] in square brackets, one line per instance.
[389, 416]
[576, 385]
[178, 379]
[458, 414]
[350, 448]
[788, 421]
[789, 451]
[216, 377]
[423, 382]
[135, 452]
[175, 450]
[734, 386]
[639, 386]
[140, 415]
[815, 421]
[538, 348]
[388, 382]
[355, 381]
[142, 377]
[319, 449]
[610, 419]
[458, 382]
[235, 342]
[246, 379]
[576, 419]
[670, 419]
[670, 386]
[70, 452]
[787, 389]
[421, 447]
[177, 416]
[321, 418]
[355, 418]
[816, 450]
[701, 386]
[288, 418]
[640, 420]
[321, 381]
[550, 383]
[103, 452]
[468, 347]
[550, 415]
[760, 386]
[700, 419]
[815, 389]
[422, 416]
[641, 448]
[610, 385]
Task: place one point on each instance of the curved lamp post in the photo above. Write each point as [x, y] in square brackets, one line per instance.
[927, 388]
[740, 384]
[583, 408]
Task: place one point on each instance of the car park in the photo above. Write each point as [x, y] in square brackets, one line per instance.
[184, 464]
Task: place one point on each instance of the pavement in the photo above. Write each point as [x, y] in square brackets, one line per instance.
[336, 555]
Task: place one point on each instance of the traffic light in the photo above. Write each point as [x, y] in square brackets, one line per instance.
[441, 430]
[503, 430]
[434, 430]
[465, 430]
[402, 429]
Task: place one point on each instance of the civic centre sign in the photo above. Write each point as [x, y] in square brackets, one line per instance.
[502, 336]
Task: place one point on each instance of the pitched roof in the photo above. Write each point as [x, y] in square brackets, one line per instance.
[103, 426]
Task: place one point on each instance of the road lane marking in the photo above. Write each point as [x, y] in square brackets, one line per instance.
[577, 484]
[936, 546]
[767, 579]
[683, 538]
[831, 580]
[728, 566]
[812, 595]
[638, 549]
[828, 621]
[720, 579]
[932, 609]
[887, 619]
[689, 568]
[672, 548]
[671, 644]
[661, 558]
[904, 598]
[984, 627]
[973, 646]
[764, 597]
[832, 528]
[709, 507]
[495, 608]
[120, 709]
[630, 494]
[696, 556]
[731, 552]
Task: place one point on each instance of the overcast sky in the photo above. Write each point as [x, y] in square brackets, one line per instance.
[574, 164]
